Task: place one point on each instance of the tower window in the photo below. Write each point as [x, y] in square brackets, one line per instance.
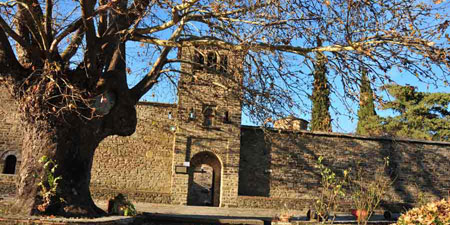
[208, 114]
[192, 114]
[223, 63]
[10, 165]
[199, 61]
[226, 117]
[212, 60]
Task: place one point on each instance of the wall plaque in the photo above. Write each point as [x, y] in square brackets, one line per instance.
[181, 170]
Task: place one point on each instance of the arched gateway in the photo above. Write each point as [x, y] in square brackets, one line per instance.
[205, 175]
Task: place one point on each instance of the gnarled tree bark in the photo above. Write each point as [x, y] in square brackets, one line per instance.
[70, 141]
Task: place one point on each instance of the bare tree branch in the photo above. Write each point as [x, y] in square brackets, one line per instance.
[191, 17]
[87, 10]
[14, 35]
[137, 10]
[175, 18]
[48, 21]
[102, 20]
[34, 9]
[258, 46]
[152, 77]
[120, 21]
[70, 29]
[8, 60]
[113, 41]
[75, 25]
[72, 48]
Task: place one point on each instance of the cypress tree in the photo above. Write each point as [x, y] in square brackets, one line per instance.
[368, 121]
[320, 118]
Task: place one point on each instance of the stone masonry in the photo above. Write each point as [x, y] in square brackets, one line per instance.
[252, 167]
[10, 140]
[278, 166]
[139, 166]
[202, 125]
[10, 130]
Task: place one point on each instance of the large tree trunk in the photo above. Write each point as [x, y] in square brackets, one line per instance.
[71, 148]
[58, 104]
[68, 142]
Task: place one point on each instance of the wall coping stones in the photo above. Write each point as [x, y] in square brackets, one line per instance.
[319, 133]
[174, 105]
[352, 136]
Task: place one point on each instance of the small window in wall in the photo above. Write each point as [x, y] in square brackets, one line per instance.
[212, 60]
[223, 63]
[226, 117]
[199, 61]
[208, 113]
[10, 165]
[192, 114]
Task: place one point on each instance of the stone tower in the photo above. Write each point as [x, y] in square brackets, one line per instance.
[208, 126]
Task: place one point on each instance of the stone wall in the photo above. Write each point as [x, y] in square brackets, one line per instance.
[10, 131]
[8, 185]
[10, 140]
[254, 170]
[272, 169]
[139, 166]
[280, 166]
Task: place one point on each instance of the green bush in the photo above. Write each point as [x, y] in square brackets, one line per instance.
[49, 184]
[330, 192]
[119, 205]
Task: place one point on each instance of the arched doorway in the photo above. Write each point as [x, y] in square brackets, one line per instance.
[205, 173]
[10, 165]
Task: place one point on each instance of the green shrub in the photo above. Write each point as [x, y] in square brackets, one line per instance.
[49, 184]
[119, 205]
[330, 192]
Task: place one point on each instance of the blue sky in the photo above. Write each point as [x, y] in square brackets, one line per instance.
[344, 121]
[344, 118]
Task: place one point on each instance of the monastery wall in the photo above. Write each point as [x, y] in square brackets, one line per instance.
[139, 166]
[10, 129]
[10, 140]
[278, 169]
